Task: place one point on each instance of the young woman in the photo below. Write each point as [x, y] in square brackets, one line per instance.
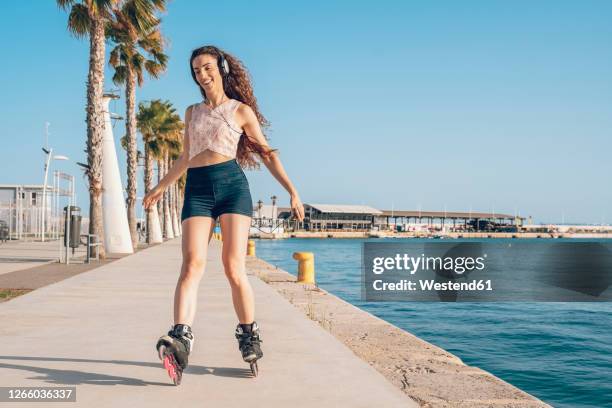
[222, 134]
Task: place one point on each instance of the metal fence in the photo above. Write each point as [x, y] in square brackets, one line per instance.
[26, 221]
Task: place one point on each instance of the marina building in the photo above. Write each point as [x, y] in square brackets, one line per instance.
[334, 217]
[346, 217]
[447, 220]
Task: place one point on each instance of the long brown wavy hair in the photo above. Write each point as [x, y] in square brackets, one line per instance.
[237, 85]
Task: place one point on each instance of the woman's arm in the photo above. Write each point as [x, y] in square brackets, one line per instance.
[178, 168]
[246, 118]
[176, 171]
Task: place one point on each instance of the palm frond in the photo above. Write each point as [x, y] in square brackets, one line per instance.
[79, 21]
[161, 58]
[139, 77]
[152, 40]
[160, 5]
[156, 148]
[102, 8]
[113, 58]
[65, 4]
[122, 23]
[154, 69]
[124, 142]
[115, 32]
[133, 36]
[120, 76]
[141, 14]
[136, 61]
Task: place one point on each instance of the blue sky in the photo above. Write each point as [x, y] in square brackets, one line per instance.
[492, 105]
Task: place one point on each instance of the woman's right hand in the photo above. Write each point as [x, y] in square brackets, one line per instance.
[152, 197]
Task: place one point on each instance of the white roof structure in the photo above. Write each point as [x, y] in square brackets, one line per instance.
[351, 209]
[269, 211]
[26, 186]
[265, 212]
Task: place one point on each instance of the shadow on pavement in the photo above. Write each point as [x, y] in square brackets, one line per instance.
[25, 260]
[75, 377]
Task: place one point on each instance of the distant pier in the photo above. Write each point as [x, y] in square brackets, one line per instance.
[359, 221]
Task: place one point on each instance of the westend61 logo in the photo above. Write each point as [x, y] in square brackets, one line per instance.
[458, 265]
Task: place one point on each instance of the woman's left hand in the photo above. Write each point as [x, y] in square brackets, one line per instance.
[297, 209]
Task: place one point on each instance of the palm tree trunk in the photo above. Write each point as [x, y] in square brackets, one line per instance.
[181, 196]
[132, 158]
[170, 201]
[176, 197]
[160, 203]
[175, 228]
[95, 130]
[148, 181]
[175, 207]
[173, 213]
[153, 228]
[167, 217]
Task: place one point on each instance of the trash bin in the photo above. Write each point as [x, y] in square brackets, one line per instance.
[4, 232]
[73, 219]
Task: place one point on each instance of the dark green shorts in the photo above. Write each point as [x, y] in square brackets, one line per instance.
[217, 189]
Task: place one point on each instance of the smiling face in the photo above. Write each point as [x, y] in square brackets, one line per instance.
[206, 71]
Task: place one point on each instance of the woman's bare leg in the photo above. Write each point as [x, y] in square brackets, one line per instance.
[196, 236]
[235, 231]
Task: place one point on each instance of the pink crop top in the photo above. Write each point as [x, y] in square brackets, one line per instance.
[214, 129]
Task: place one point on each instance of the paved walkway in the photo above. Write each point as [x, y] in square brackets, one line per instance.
[17, 255]
[97, 331]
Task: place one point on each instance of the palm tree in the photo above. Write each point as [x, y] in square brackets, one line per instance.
[134, 29]
[125, 146]
[160, 127]
[170, 139]
[148, 124]
[87, 18]
[158, 152]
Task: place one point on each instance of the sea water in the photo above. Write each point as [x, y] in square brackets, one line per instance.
[559, 352]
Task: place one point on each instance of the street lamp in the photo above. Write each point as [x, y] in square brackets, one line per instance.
[49, 153]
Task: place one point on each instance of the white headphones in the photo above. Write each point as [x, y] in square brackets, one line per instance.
[223, 64]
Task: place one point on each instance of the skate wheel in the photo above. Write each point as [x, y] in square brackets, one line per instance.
[179, 377]
[174, 371]
[254, 368]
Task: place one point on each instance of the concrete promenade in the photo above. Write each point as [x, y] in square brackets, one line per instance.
[17, 255]
[97, 331]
